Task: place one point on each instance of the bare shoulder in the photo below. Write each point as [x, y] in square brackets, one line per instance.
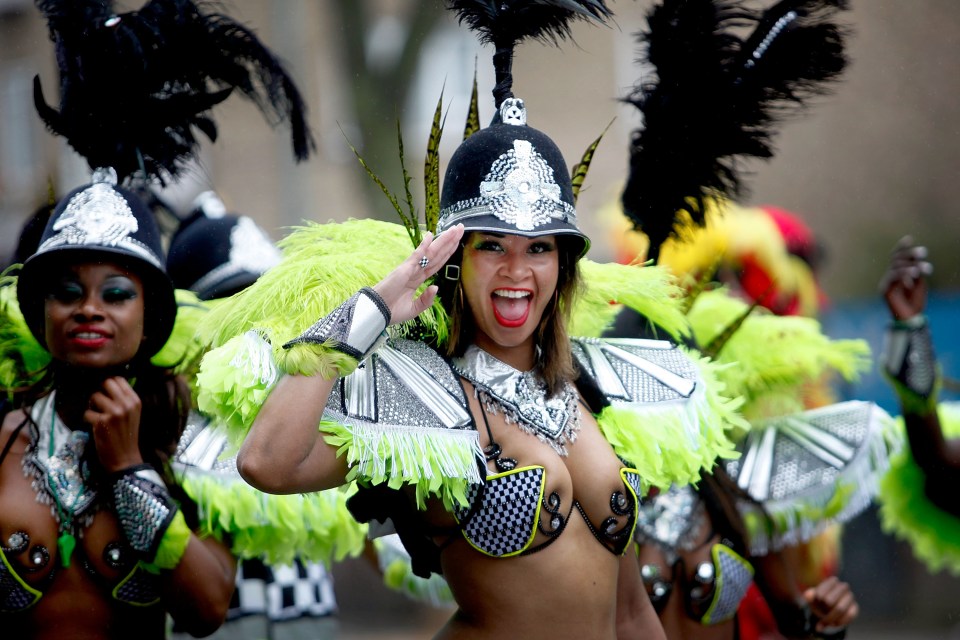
[12, 421]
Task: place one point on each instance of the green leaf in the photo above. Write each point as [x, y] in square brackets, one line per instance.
[412, 220]
[411, 225]
[579, 173]
[431, 170]
[721, 339]
[473, 113]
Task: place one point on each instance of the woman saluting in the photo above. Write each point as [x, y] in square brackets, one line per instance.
[480, 443]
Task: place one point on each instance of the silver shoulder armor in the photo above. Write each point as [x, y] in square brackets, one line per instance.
[813, 468]
[404, 383]
[201, 446]
[636, 370]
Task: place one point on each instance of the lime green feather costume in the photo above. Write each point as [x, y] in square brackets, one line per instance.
[325, 264]
[907, 513]
[808, 467]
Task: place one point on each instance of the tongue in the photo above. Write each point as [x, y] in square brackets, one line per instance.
[511, 308]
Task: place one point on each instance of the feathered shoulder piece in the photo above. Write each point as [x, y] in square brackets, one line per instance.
[907, 512]
[724, 76]
[506, 23]
[22, 359]
[137, 87]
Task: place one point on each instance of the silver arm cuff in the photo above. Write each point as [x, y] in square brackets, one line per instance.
[144, 508]
[908, 356]
[353, 328]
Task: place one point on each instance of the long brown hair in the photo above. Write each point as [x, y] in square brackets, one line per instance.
[555, 358]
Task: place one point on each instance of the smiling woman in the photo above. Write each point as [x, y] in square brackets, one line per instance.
[95, 315]
[508, 283]
[98, 537]
[509, 457]
[98, 531]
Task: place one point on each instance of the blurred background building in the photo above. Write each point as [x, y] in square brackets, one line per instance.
[878, 159]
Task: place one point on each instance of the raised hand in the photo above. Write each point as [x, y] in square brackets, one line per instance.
[399, 288]
[904, 285]
[114, 416]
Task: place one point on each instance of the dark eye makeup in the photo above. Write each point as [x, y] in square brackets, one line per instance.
[66, 291]
[114, 290]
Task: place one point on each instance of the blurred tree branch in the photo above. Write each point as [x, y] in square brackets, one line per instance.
[379, 91]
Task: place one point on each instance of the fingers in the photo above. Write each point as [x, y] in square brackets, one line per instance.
[433, 252]
[116, 393]
[833, 603]
[116, 402]
[910, 258]
[908, 266]
[424, 300]
[114, 417]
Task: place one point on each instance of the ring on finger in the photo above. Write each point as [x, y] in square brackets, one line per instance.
[424, 261]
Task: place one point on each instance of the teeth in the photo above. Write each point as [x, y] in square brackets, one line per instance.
[510, 293]
[88, 335]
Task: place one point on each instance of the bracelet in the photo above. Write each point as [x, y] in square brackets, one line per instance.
[908, 359]
[353, 328]
[174, 543]
[147, 512]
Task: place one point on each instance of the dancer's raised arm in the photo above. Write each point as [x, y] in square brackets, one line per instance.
[285, 452]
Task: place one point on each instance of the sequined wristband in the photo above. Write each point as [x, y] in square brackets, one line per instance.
[908, 359]
[147, 514]
[353, 329]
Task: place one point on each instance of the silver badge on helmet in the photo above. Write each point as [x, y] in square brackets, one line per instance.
[520, 189]
[99, 216]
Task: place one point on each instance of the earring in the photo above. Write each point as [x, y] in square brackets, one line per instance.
[452, 272]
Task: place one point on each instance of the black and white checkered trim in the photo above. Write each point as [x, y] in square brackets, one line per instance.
[282, 592]
[505, 521]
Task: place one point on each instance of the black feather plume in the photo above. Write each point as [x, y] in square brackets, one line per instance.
[135, 88]
[505, 23]
[717, 97]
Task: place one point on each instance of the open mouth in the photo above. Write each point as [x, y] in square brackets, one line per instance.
[88, 338]
[511, 306]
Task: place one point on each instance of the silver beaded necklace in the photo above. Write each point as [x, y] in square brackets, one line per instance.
[522, 398]
[54, 461]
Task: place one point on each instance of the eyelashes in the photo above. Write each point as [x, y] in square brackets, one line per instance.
[70, 292]
[118, 294]
[66, 292]
[492, 245]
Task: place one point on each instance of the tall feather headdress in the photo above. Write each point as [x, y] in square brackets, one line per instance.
[137, 87]
[506, 23]
[503, 23]
[718, 97]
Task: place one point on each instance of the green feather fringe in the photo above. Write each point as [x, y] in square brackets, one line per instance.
[322, 266]
[673, 443]
[438, 462]
[311, 359]
[235, 380]
[906, 512]
[315, 526]
[650, 290]
[22, 359]
[774, 356]
[183, 349]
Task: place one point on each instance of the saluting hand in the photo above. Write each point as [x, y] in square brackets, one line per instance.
[400, 286]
